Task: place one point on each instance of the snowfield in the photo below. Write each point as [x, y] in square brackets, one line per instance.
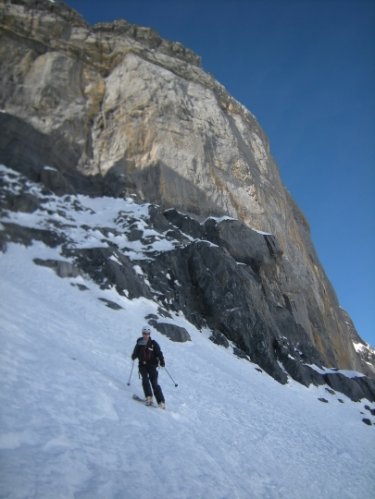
[70, 429]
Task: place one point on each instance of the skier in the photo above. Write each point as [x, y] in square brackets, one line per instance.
[149, 356]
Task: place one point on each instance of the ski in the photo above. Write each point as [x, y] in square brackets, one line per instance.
[143, 401]
[138, 398]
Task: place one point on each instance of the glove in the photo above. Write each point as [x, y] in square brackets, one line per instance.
[162, 363]
[133, 357]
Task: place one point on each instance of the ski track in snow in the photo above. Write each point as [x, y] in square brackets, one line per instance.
[70, 429]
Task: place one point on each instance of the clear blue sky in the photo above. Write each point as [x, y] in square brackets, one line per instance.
[306, 69]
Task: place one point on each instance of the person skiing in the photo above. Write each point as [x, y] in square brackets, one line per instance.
[149, 356]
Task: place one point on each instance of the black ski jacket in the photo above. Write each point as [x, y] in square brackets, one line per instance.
[148, 353]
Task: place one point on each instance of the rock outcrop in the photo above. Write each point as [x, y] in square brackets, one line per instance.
[183, 267]
[114, 109]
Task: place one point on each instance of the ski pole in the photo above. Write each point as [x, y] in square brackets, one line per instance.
[131, 372]
[175, 384]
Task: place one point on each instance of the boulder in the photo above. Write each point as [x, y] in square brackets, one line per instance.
[172, 331]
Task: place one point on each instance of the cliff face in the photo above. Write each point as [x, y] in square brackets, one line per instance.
[115, 109]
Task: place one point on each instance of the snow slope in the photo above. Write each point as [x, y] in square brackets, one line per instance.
[70, 429]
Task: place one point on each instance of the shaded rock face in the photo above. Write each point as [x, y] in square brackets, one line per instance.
[114, 109]
[179, 265]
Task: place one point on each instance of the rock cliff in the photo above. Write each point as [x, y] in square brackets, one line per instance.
[117, 110]
[175, 264]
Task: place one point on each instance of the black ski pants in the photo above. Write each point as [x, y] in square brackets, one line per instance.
[149, 375]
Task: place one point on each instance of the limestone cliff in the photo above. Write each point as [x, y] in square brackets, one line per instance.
[116, 109]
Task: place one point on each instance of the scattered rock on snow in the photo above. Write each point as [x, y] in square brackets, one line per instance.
[173, 332]
[111, 304]
[367, 421]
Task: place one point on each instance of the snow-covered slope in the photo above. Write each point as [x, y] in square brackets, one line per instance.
[70, 429]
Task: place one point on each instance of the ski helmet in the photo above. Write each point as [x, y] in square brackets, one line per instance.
[146, 330]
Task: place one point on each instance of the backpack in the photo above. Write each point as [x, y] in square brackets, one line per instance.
[147, 353]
